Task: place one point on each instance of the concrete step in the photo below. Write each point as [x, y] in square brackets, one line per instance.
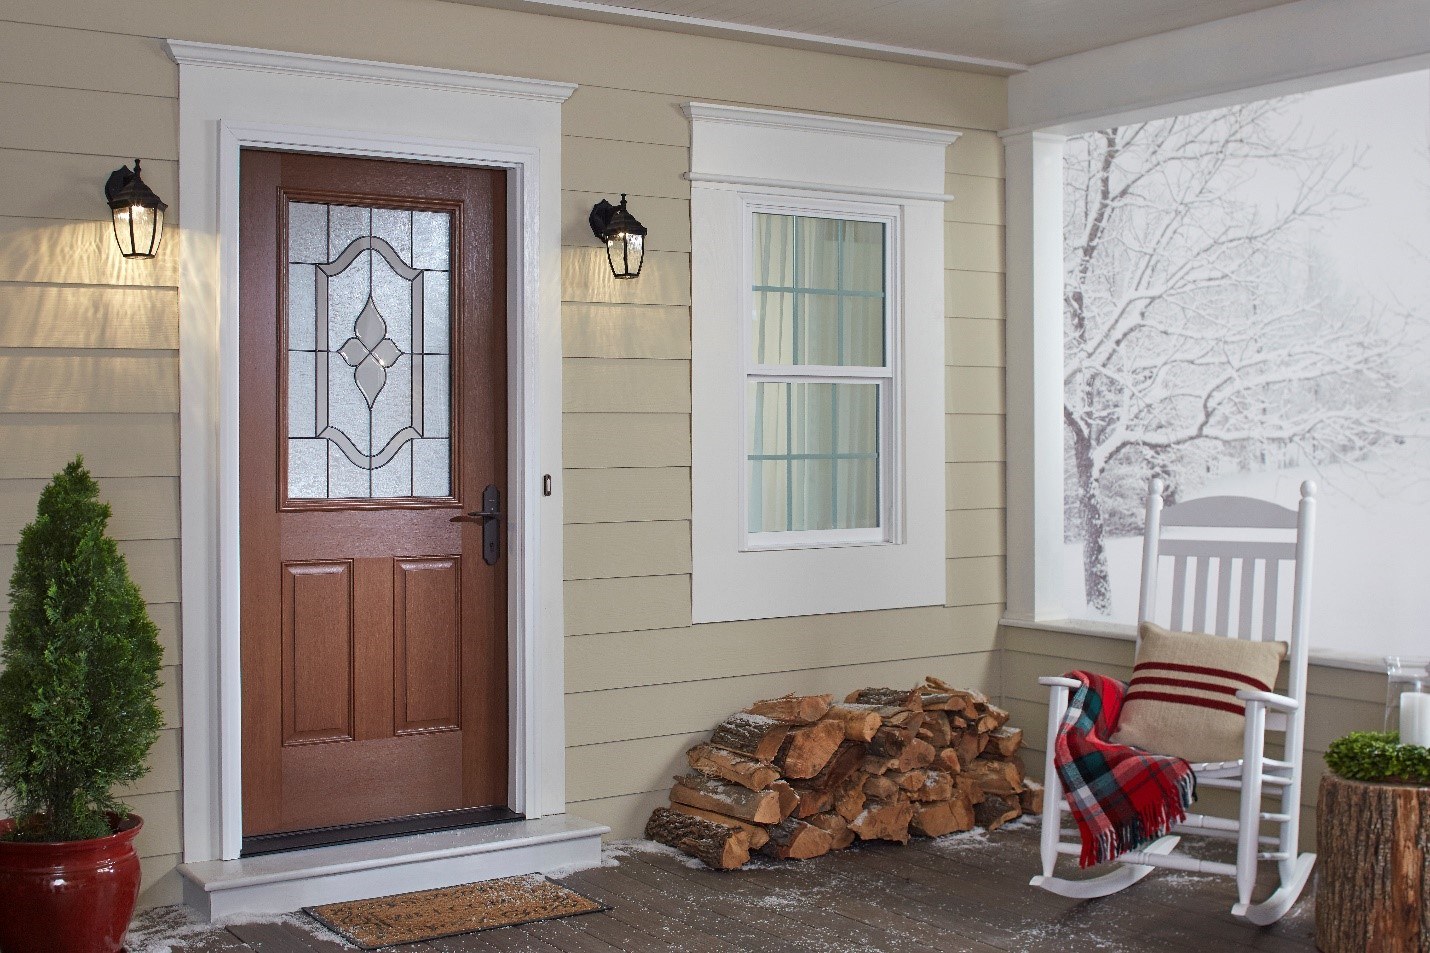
[282, 882]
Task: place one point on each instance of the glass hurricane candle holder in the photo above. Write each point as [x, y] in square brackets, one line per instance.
[1407, 698]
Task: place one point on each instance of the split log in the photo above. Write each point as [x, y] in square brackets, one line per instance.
[719, 846]
[916, 754]
[993, 718]
[813, 802]
[708, 794]
[754, 736]
[942, 817]
[1374, 850]
[969, 788]
[876, 765]
[908, 780]
[1005, 741]
[1032, 797]
[937, 786]
[807, 750]
[891, 697]
[860, 721]
[884, 820]
[995, 777]
[967, 746]
[849, 800]
[906, 721]
[758, 835]
[845, 762]
[881, 787]
[803, 709]
[788, 798]
[947, 760]
[996, 810]
[796, 840]
[836, 827]
[936, 729]
[889, 742]
[729, 766]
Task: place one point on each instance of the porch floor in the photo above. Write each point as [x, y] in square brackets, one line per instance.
[961, 893]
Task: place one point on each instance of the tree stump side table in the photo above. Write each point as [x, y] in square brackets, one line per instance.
[1373, 847]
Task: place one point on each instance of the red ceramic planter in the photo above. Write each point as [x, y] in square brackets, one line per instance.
[69, 896]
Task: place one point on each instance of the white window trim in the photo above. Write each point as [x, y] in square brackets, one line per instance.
[888, 376]
[744, 159]
[232, 98]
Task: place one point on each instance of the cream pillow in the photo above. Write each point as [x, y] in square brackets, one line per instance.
[1182, 699]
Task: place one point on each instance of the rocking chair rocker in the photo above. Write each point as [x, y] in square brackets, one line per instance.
[1226, 530]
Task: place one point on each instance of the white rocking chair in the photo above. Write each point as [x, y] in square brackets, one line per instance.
[1230, 609]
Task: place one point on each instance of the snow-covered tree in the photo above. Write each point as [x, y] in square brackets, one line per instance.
[1203, 333]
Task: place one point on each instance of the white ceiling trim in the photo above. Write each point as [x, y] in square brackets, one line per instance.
[1291, 48]
[609, 13]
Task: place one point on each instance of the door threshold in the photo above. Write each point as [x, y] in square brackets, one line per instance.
[284, 882]
[373, 830]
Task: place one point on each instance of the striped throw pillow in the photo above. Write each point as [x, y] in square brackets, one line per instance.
[1182, 699]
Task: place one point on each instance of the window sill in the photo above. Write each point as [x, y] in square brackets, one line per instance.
[1128, 633]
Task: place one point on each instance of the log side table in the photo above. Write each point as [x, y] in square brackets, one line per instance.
[1373, 846]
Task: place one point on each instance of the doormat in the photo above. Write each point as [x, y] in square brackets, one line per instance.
[450, 911]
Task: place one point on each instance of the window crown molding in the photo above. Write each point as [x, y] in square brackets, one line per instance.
[187, 53]
[811, 122]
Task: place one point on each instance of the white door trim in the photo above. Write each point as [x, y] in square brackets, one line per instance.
[231, 99]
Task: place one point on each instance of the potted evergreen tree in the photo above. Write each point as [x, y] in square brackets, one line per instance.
[77, 717]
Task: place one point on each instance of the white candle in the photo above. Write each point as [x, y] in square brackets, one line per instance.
[1415, 719]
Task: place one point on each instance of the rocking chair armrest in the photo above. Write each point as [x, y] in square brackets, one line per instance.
[1269, 699]
[1058, 681]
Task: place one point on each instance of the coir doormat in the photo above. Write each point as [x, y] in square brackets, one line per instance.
[450, 911]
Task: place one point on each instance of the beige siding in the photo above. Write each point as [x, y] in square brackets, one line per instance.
[88, 359]
[1338, 700]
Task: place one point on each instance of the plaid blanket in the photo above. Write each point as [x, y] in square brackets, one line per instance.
[1122, 797]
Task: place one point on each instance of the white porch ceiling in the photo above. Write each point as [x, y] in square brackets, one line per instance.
[1002, 36]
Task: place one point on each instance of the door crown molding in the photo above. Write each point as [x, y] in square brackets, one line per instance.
[187, 53]
[814, 122]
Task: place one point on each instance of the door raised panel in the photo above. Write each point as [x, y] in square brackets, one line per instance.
[317, 652]
[427, 624]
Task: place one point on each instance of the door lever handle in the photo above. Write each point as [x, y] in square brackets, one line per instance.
[489, 517]
[476, 516]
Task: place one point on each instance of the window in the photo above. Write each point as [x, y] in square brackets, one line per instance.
[1246, 308]
[817, 374]
[818, 379]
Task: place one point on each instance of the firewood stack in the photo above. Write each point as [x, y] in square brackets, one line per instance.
[801, 775]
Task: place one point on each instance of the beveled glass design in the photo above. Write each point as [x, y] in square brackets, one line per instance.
[368, 329]
[819, 291]
[813, 457]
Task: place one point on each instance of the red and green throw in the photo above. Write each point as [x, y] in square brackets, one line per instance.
[1122, 797]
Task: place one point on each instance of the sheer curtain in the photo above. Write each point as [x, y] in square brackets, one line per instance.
[813, 447]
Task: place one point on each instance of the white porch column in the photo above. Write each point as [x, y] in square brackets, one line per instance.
[1033, 170]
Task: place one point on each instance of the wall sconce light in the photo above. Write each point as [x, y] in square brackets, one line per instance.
[138, 213]
[623, 235]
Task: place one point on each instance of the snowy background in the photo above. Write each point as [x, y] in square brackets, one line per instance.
[1249, 307]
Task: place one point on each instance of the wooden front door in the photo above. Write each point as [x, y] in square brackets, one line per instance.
[372, 410]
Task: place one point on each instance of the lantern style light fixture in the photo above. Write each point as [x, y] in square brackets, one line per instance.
[138, 213]
[624, 237]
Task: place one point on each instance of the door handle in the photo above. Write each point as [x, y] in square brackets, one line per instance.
[489, 516]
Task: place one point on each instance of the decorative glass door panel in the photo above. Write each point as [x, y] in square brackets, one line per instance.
[368, 329]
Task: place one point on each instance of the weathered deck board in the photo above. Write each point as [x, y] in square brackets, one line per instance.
[966, 894]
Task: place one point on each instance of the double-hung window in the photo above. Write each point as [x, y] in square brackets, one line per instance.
[819, 394]
[817, 364]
